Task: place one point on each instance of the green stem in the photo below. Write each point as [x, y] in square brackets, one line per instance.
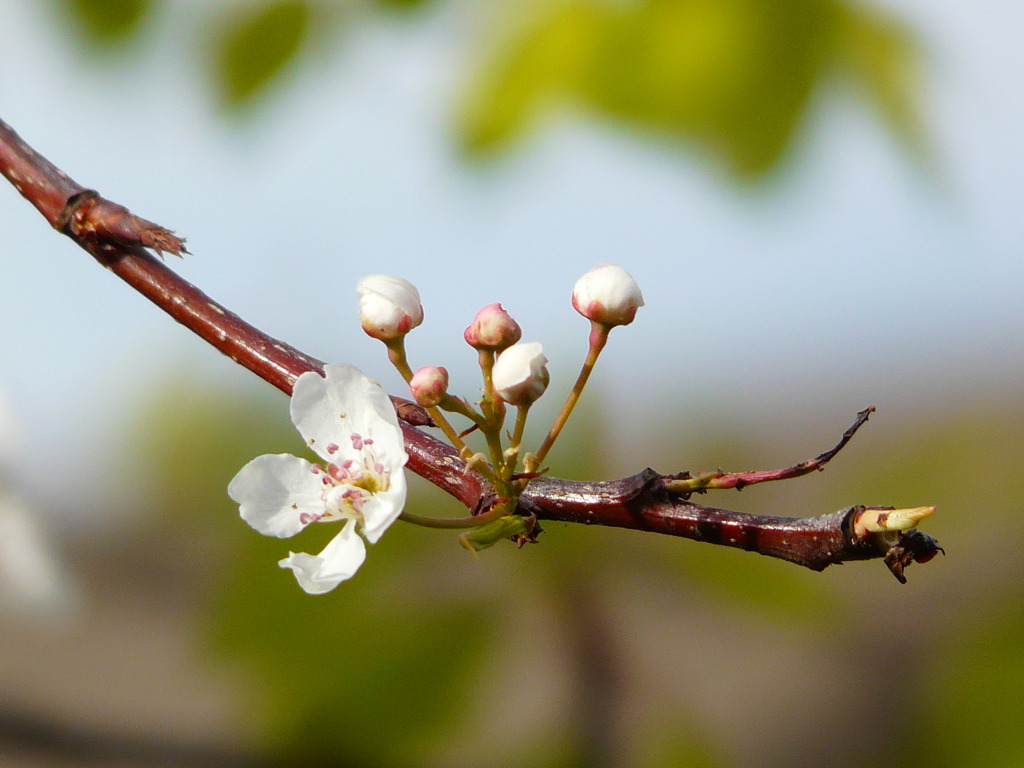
[458, 405]
[493, 416]
[512, 457]
[475, 521]
[598, 338]
[396, 354]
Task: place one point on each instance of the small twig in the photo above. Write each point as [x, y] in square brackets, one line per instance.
[685, 483]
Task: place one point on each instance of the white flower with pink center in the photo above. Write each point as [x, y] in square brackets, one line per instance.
[350, 423]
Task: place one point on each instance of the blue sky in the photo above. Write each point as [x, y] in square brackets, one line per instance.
[850, 279]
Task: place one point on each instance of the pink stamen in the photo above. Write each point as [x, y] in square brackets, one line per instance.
[356, 498]
[332, 448]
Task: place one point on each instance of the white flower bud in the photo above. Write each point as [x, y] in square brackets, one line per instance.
[607, 294]
[493, 328]
[520, 373]
[389, 307]
[429, 385]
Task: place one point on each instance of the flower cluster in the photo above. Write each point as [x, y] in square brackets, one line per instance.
[350, 423]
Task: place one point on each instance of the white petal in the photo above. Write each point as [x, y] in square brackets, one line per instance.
[607, 294]
[382, 509]
[389, 307]
[275, 491]
[329, 409]
[397, 291]
[339, 561]
[520, 373]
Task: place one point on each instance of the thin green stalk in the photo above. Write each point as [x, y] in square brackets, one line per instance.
[396, 353]
[474, 521]
[598, 338]
[512, 455]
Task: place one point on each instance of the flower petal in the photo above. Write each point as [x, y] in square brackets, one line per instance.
[277, 493]
[520, 373]
[607, 294]
[327, 410]
[339, 561]
[389, 307]
[384, 507]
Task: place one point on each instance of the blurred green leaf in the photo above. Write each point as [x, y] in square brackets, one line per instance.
[734, 75]
[731, 77]
[256, 47]
[106, 21]
[401, 4]
[540, 68]
[883, 58]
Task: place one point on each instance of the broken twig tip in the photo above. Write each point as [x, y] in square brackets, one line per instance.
[912, 547]
[163, 240]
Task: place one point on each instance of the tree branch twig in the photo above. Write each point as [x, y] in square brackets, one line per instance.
[647, 501]
[685, 483]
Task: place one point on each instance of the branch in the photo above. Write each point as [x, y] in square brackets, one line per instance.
[117, 239]
[686, 483]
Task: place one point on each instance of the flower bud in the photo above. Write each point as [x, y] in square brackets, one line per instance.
[607, 294]
[520, 373]
[389, 307]
[493, 328]
[429, 385]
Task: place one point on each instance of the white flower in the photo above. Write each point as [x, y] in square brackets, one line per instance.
[389, 307]
[520, 373]
[607, 294]
[350, 423]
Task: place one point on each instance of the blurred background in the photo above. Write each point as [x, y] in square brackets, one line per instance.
[821, 202]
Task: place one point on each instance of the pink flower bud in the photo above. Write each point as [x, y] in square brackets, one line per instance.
[429, 385]
[607, 294]
[493, 328]
[520, 373]
[389, 307]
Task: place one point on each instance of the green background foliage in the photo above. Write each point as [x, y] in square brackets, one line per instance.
[733, 77]
[389, 669]
[732, 80]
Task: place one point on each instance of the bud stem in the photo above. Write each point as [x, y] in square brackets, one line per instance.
[474, 521]
[396, 354]
[512, 454]
[598, 338]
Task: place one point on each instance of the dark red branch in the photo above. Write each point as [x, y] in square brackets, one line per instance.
[687, 483]
[646, 501]
[642, 503]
